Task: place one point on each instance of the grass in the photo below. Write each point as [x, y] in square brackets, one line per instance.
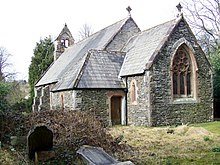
[193, 144]
[213, 127]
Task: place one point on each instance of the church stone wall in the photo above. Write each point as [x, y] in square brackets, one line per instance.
[65, 100]
[164, 110]
[96, 101]
[139, 112]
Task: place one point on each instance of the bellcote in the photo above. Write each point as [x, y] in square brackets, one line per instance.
[63, 41]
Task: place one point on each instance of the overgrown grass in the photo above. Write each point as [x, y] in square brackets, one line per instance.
[7, 157]
[196, 144]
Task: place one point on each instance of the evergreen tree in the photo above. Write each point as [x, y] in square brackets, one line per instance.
[214, 58]
[42, 59]
[5, 89]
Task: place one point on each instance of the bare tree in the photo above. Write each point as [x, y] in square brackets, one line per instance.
[85, 31]
[5, 65]
[204, 18]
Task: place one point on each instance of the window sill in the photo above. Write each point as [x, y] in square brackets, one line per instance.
[134, 103]
[185, 101]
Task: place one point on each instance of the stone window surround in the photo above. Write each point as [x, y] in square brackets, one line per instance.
[181, 69]
[194, 81]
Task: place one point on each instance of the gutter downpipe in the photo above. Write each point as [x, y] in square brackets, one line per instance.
[126, 101]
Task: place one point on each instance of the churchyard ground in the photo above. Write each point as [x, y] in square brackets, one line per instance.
[186, 144]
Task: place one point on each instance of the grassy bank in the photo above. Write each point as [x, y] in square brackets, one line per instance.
[195, 144]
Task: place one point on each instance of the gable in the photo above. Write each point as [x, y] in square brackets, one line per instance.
[119, 40]
[143, 48]
[64, 33]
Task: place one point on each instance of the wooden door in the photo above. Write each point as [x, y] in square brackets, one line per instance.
[116, 110]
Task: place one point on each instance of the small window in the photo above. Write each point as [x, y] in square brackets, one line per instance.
[133, 93]
[62, 101]
[65, 43]
[62, 42]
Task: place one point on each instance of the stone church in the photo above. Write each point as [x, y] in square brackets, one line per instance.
[159, 76]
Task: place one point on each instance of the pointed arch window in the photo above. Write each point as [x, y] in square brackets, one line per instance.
[182, 73]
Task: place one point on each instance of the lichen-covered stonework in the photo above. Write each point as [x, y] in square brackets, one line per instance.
[139, 113]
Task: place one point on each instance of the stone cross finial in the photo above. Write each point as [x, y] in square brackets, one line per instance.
[179, 8]
[129, 10]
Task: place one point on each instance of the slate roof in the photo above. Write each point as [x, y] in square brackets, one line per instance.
[86, 64]
[101, 70]
[66, 68]
[143, 47]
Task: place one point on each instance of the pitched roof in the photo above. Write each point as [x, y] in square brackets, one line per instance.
[101, 70]
[142, 48]
[67, 67]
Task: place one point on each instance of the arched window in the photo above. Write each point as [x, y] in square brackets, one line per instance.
[62, 101]
[182, 73]
[133, 94]
[65, 43]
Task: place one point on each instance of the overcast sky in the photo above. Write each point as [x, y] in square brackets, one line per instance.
[25, 22]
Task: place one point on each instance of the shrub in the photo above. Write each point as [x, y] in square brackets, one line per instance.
[11, 124]
[215, 149]
[206, 138]
[72, 129]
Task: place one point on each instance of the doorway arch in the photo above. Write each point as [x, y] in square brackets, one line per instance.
[116, 104]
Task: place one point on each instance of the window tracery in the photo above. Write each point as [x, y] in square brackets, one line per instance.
[182, 73]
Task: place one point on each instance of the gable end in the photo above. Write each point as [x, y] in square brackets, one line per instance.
[128, 29]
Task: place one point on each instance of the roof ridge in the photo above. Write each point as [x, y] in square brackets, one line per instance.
[106, 51]
[82, 69]
[102, 30]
